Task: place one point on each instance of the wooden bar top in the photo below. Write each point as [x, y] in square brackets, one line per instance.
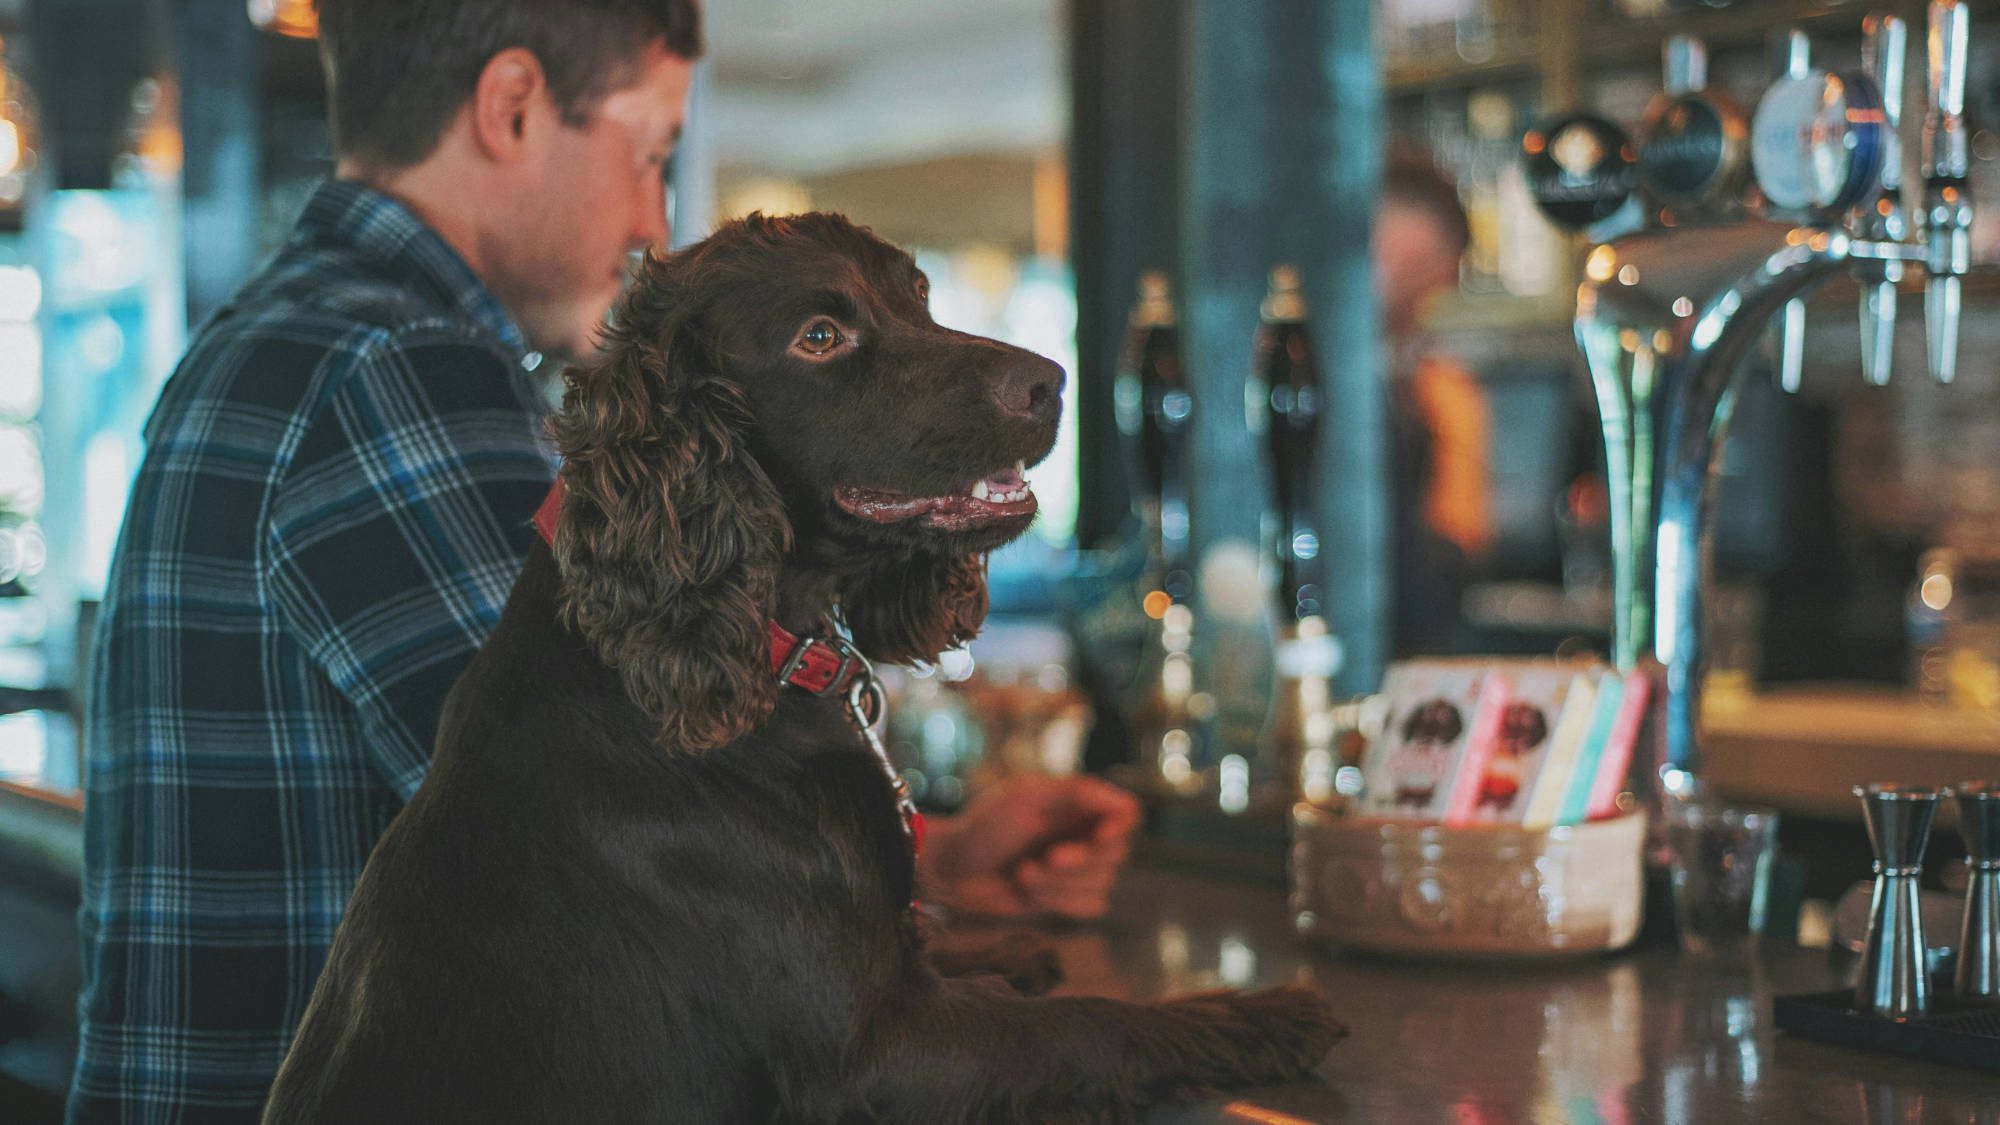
[1640, 1036]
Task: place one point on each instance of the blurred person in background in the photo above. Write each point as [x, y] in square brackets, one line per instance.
[1438, 414]
[334, 504]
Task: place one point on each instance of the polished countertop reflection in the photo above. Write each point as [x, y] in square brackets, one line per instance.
[1642, 1036]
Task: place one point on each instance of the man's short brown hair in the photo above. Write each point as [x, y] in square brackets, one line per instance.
[398, 70]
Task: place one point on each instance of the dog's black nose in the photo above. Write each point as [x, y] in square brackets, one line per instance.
[1030, 388]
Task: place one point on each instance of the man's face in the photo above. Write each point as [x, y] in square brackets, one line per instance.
[596, 194]
[1414, 262]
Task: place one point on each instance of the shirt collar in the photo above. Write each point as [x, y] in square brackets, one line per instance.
[385, 232]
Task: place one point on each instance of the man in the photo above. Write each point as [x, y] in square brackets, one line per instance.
[1443, 504]
[334, 504]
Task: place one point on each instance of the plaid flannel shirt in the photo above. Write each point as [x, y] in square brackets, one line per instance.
[333, 506]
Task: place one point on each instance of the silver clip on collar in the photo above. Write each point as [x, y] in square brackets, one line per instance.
[868, 704]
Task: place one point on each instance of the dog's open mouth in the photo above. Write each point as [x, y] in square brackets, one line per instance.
[1003, 496]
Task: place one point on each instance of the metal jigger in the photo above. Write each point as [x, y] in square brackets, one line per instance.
[1978, 973]
[1895, 980]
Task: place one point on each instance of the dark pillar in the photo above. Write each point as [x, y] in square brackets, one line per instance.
[1282, 155]
[86, 55]
[216, 55]
[1125, 75]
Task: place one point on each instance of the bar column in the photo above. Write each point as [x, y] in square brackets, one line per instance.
[1281, 158]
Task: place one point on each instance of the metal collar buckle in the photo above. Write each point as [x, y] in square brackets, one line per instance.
[851, 661]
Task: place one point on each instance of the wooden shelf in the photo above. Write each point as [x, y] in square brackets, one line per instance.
[1513, 59]
[1601, 42]
[1608, 42]
[1552, 311]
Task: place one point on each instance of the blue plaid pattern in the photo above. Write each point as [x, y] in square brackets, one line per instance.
[334, 504]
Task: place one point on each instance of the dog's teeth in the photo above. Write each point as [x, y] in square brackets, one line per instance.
[1021, 466]
[979, 491]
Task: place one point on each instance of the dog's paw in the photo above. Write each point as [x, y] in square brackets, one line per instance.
[1295, 1020]
[1272, 1035]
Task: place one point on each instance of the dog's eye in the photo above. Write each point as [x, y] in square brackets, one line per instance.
[820, 337]
[923, 289]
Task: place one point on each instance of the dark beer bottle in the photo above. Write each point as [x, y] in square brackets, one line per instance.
[1283, 401]
[1283, 405]
[1156, 414]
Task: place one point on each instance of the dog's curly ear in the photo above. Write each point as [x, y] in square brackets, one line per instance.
[917, 609]
[671, 535]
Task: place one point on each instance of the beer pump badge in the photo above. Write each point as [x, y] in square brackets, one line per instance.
[1579, 168]
[1693, 151]
[1817, 141]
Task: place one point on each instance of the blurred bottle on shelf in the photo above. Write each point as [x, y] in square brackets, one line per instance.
[1513, 250]
[1952, 622]
[1489, 119]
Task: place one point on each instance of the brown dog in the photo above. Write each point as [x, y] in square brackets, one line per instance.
[644, 881]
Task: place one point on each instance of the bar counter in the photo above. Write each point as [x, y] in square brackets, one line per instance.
[1640, 1036]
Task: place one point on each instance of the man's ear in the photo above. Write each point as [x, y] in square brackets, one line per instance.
[511, 88]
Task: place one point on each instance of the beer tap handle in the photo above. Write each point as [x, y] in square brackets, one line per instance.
[1792, 329]
[1798, 54]
[1947, 206]
[1684, 63]
[1884, 44]
[1878, 327]
[1792, 346]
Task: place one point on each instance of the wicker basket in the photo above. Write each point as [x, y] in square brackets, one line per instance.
[1421, 889]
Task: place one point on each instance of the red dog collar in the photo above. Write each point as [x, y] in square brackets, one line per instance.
[545, 516]
[825, 666]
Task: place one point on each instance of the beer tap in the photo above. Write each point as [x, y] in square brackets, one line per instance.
[1947, 204]
[1667, 312]
[1155, 405]
[1882, 49]
[1282, 404]
[1792, 331]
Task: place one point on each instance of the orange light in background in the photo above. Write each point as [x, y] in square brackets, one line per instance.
[156, 131]
[294, 18]
[1051, 208]
[17, 135]
[1156, 604]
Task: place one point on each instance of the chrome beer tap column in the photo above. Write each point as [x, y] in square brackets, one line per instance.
[1668, 308]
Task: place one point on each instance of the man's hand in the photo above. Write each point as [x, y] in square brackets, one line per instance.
[1032, 845]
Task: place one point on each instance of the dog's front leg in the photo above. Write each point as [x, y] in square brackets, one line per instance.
[1026, 962]
[964, 1050]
